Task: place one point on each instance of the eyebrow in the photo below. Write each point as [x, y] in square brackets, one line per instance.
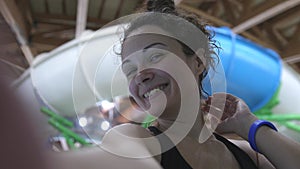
[147, 47]
[126, 61]
[154, 44]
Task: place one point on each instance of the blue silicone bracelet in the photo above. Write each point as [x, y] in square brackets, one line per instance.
[253, 129]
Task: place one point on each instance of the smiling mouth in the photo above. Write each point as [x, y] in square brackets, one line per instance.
[154, 90]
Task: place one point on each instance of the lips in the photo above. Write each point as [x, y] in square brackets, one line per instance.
[153, 90]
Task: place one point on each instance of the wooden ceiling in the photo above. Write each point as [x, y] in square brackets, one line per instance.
[42, 25]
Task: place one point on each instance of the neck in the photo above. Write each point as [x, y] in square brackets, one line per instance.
[164, 124]
[197, 127]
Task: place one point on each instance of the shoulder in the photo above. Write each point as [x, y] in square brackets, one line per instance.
[130, 130]
[130, 140]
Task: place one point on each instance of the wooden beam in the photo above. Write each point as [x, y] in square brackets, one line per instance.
[296, 35]
[39, 47]
[12, 65]
[13, 54]
[217, 8]
[40, 17]
[46, 6]
[10, 49]
[28, 54]
[273, 35]
[251, 9]
[296, 67]
[17, 23]
[9, 72]
[292, 48]
[265, 15]
[177, 2]
[25, 10]
[205, 5]
[119, 9]
[247, 6]
[229, 11]
[41, 44]
[193, 1]
[64, 9]
[292, 59]
[219, 22]
[258, 41]
[206, 16]
[53, 41]
[66, 34]
[49, 28]
[284, 15]
[286, 21]
[101, 9]
[15, 20]
[279, 36]
[82, 9]
[265, 38]
[67, 20]
[257, 31]
[275, 26]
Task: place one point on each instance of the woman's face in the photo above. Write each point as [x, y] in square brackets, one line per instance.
[144, 61]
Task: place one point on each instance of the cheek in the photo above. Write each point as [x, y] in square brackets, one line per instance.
[134, 92]
[133, 88]
[176, 89]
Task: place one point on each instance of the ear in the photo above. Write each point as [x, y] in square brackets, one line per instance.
[200, 62]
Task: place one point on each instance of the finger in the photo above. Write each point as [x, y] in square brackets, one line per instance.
[232, 98]
[212, 121]
[225, 127]
[215, 113]
[208, 101]
[225, 96]
[205, 109]
[224, 104]
[220, 107]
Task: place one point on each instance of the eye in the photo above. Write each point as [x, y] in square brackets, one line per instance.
[130, 71]
[154, 58]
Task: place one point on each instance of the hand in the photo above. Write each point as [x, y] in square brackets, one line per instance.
[230, 112]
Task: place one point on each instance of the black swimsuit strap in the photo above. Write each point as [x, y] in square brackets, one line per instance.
[154, 130]
[241, 157]
[170, 158]
[173, 159]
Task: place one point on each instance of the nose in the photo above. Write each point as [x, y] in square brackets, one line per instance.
[143, 77]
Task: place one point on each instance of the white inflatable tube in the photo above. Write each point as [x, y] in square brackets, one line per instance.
[74, 67]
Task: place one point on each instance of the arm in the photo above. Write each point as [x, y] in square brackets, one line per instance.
[260, 160]
[122, 147]
[281, 151]
[96, 158]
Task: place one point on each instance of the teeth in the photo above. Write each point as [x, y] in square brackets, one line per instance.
[151, 92]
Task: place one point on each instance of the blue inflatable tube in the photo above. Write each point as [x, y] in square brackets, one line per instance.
[252, 72]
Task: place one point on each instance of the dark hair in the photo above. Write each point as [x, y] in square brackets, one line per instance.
[150, 7]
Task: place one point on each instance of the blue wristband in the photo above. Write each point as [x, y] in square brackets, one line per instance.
[253, 129]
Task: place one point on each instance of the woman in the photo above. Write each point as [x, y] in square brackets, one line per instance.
[165, 60]
[149, 43]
